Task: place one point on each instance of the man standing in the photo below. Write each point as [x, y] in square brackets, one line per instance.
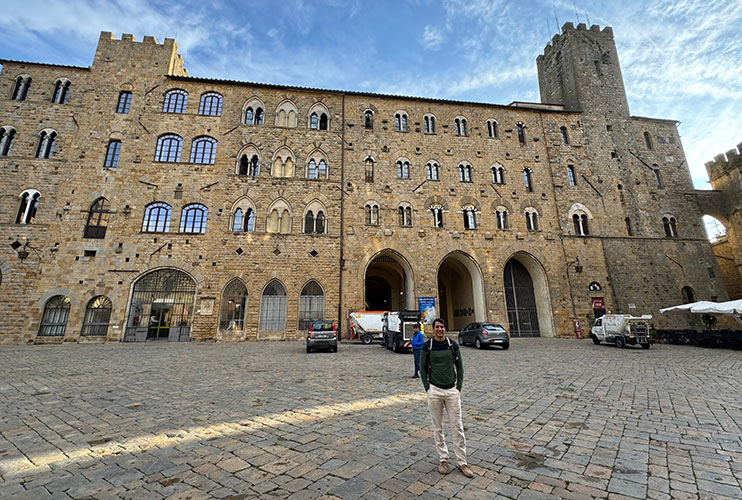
[418, 340]
[442, 377]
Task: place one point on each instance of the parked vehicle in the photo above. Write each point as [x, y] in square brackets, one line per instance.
[622, 330]
[484, 335]
[399, 327]
[322, 335]
[367, 325]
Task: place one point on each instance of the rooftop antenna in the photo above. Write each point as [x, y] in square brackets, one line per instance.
[548, 26]
[557, 19]
[576, 14]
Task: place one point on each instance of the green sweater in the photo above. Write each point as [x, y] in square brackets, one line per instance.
[438, 368]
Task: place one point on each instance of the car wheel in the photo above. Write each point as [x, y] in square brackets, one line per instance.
[505, 347]
[461, 341]
[367, 339]
[620, 342]
[478, 344]
[335, 349]
[596, 340]
[645, 346]
[395, 347]
[309, 349]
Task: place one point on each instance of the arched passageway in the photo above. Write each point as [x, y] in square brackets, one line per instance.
[161, 307]
[460, 291]
[388, 283]
[527, 297]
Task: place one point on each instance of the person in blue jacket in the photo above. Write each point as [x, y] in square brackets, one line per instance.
[418, 341]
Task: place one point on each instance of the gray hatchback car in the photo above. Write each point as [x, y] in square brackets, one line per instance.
[322, 335]
[484, 335]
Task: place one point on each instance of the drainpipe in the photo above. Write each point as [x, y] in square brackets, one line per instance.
[342, 222]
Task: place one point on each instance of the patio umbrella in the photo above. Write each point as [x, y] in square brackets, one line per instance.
[731, 308]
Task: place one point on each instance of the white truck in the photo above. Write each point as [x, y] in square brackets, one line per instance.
[622, 330]
[399, 328]
[367, 325]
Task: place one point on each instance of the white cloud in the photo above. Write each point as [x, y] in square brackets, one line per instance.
[432, 38]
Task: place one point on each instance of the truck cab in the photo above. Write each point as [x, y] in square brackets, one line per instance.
[399, 327]
[622, 330]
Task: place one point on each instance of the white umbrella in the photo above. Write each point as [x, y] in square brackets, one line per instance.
[730, 308]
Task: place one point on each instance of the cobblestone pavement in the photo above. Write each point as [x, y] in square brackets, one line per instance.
[547, 419]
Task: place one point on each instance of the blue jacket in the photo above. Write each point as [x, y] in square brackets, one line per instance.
[418, 340]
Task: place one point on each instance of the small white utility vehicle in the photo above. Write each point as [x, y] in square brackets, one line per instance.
[622, 330]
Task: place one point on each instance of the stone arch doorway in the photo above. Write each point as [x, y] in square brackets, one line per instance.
[161, 307]
[460, 291]
[388, 283]
[527, 297]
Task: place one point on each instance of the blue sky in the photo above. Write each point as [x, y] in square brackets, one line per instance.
[681, 59]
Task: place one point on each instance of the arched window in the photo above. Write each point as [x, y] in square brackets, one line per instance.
[405, 215]
[124, 102]
[112, 154]
[322, 169]
[286, 114]
[498, 174]
[629, 231]
[594, 286]
[460, 126]
[531, 219]
[176, 101]
[528, 179]
[309, 222]
[501, 214]
[323, 121]
[28, 206]
[670, 225]
[403, 169]
[312, 169]
[54, 320]
[211, 104]
[47, 141]
[580, 223]
[368, 119]
[193, 218]
[371, 212]
[7, 136]
[565, 137]
[97, 219]
[249, 165]
[658, 176]
[431, 171]
[369, 163]
[429, 124]
[156, 218]
[311, 304]
[400, 121]
[648, 140]
[273, 307]
[314, 224]
[249, 116]
[279, 218]
[234, 306]
[313, 121]
[571, 175]
[61, 91]
[22, 86]
[243, 222]
[465, 172]
[97, 317]
[687, 295]
[283, 163]
[203, 150]
[493, 129]
[259, 116]
[168, 148]
[437, 212]
[470, 218]
[521, 132]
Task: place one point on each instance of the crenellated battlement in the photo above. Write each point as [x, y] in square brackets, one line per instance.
[724, 163]
[163, 58]
[568, 28]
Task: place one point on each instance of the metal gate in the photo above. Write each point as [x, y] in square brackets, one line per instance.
[521, 302]
[161, 307]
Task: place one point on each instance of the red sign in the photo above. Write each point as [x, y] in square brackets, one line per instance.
[598, 303]
[578, 330]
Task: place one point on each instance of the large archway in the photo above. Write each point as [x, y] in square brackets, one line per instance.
[161, 307]
[388, 283]
[527, 297]
[460, 291]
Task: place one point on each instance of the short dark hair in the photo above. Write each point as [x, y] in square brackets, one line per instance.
[441, 321]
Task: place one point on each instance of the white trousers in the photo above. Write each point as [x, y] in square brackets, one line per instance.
[450, 399]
